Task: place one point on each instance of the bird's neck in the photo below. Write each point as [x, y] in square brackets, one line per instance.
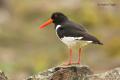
[61, 23]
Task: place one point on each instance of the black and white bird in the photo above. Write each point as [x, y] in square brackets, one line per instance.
[70, 33]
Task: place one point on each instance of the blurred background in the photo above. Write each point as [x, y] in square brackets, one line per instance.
[25, 50]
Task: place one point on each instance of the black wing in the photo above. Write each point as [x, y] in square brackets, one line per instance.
[70, 24]
[73, 30]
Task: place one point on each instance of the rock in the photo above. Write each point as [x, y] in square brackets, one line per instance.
[3, 76]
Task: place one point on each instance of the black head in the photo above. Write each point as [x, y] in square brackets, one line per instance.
[58, 18]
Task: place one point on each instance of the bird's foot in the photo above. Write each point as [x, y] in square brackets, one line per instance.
[67, 63]
[75, 63]
[78, 62]
[72, 63]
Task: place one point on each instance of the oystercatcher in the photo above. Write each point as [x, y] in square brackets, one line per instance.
[70, 33]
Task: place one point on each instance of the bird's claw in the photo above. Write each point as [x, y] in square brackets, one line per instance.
[73, 63]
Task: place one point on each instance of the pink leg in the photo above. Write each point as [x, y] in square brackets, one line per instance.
[79, 55]
[70, 60]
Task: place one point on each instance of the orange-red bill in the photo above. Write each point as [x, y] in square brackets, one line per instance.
[46, 23]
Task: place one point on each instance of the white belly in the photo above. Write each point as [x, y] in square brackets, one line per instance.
[71, 41]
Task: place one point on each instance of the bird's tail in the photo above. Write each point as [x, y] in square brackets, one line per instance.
[98, 42]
